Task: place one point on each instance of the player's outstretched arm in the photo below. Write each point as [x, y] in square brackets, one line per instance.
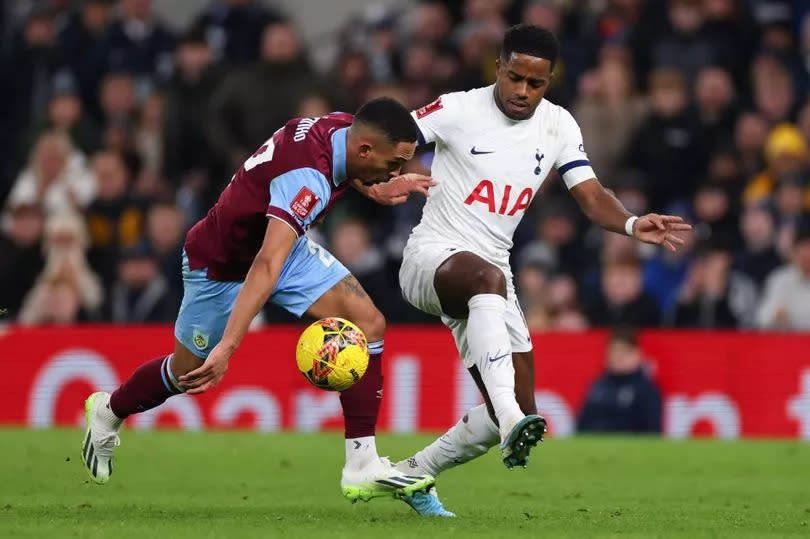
[259, 283]
[396, 190]
[604, 209]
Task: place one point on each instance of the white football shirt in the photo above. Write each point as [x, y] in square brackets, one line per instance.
[489, 168]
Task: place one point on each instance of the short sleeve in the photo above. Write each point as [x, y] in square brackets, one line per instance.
[435, 119]
[297, 197]
[572, 161]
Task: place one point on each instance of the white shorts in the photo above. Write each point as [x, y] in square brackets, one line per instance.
[419, 264]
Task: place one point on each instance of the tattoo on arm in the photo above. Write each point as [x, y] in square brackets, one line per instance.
[352, 286]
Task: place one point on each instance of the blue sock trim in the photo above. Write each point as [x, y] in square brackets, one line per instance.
[375, 347]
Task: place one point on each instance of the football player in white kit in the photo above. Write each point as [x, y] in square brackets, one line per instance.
[494, 148]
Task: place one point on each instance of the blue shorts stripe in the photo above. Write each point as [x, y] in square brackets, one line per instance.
[573, 164]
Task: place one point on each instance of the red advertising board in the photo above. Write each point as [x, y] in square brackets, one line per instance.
[720, 384]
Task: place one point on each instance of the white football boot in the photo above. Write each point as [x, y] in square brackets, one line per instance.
[100, 438]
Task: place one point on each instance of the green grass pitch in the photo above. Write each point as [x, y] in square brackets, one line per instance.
[200, 485]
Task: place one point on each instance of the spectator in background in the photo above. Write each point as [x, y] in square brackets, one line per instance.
[65, 113]
[54, 301]
[56, 177]
[474, 47]
[757, 258]
[750, 135]
[66, 290]
[623, 300]
[21, 260]
[611, 248]
[251, 104]
[33, 60]
[624, 399]
[187, 159]
[732, 33]
[714, 100]
[665, 271]
[166, 233]
[790, 201]
[534, 269]
[433, 24]
[713, 213]
[786, 155]
[714, 295]
[137, 43]
[148, 135]
[80, 39]
[117, 98]
[351, 244]
[115, 219]
[786, 301]
[609, 113]
[352, 78]
[233, 29]
[381, 46]
[119, 107]
[556, 229]
[774, 95]
[686, 47]
[725, 172]
[417, 64]
[563, 305]
[141, 293]
[668, 148]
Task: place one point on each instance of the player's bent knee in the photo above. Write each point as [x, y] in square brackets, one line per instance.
[490, 280]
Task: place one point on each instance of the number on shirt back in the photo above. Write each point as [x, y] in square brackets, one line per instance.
[325, 256]
[262, 155]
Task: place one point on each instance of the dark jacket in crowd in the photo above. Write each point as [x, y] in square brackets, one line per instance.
[641, 312]
[19, 269]
[234, 32]
[622, 403]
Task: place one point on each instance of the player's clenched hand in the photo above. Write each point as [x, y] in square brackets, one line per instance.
[396, 190]
[666, 230]
[208, 374]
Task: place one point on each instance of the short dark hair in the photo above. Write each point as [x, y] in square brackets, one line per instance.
[390, 117]
[532, 40]
[626, 334]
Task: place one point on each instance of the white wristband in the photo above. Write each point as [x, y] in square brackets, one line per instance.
[628, 225]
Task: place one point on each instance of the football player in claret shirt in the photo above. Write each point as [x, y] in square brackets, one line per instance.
[495, 146]
[251, 247]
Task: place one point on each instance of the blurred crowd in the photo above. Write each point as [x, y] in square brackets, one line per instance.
[118, 130]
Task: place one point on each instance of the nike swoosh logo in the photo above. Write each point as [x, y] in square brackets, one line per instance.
[479, 152]
[493, 359]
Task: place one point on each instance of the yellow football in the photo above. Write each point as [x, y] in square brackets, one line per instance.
[332, 354]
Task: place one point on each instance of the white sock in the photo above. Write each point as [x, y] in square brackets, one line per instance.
[360, 452]
[490, 349]
[105, 413]
[470, 438]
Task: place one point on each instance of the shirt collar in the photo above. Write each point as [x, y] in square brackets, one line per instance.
[339, 155]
